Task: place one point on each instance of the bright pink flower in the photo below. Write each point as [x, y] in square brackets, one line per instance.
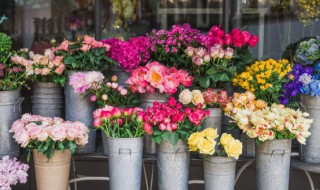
[127, 111]
[93, 98]
[171, 102]
[148, 128]
[253, 41]
[116, 112]
[245, 36]
[227, 39]
[97, 122]
[88, 40]
[85, 47]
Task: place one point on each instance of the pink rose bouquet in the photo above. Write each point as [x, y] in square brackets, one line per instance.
[119, 123]
[42, 68]
[103, 93]
[49, 134]
[171, 122]
[155, 76]
[208, 98]
[130, 54]
[84, 55]
[12, 172]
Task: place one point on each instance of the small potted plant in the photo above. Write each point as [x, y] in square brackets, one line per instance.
[170, 125]
[51, 141]
[219, 165]
[124, 141]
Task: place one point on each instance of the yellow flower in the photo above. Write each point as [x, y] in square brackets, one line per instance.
[226, 139]
[291, 77]
[197, 97]
[233, 149]
[260, 104]
[206, 146]
[268, 85]
[262, 88]
[210, 133]
[194, 140]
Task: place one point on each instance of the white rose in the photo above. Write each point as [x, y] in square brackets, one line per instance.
[185, 97]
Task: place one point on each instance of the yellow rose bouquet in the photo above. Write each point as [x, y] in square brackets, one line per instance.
[205, 142]
[265, 79]
[263, 122]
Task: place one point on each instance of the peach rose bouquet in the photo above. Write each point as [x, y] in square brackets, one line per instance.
[263, 122]
[43, 68]
[48, 134]
[205, 142]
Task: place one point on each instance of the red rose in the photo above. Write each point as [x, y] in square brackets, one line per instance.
[253, 41]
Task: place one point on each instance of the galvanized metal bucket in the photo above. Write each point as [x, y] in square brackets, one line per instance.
[125, 163]
[104, 143]
[214, 120]
[78, 109]
[147, 101]
[249, 146]
[173, 165]
[219, 173]
[47, 99]
[122, 75]
[10, 109]
[273, 164]
[310, 152]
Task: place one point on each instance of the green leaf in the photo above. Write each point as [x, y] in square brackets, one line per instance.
[204, 82]
[61, 146]
[166, 136]
[156, 132]
[72, 147]
[157, 139]
[211, 72]
[174, 138]
[224, 77]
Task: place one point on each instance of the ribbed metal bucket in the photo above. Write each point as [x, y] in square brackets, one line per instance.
[125, 163]
[147, 101]
[122, 75]
[249, 146]
[52, 174]
[219, 173]
[273, 164]
[214, 120]
[173, 165]
[104, 143]
[47, 99]
[78, 109]
[310, 152]
[10, 111]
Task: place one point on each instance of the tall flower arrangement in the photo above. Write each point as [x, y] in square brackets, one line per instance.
[84, 55]
[170, 122]
[155, 76]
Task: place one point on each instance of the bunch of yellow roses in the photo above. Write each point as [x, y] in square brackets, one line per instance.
[205, 143]
[264, 78]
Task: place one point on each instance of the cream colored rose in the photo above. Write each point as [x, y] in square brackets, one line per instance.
[210, 133]
[234, 149]
[226, 139]
[185, 97]
[207, 146]
[197, 97]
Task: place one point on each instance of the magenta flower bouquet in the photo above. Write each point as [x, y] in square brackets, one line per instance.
[155, 76]
[12, 172]
[130, 54]
[48, 134]
[171, 122]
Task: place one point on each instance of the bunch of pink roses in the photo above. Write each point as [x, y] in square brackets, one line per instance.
[171, 122]
[42, 68]
[156, 76]
[87, 43]
[49, 134]
[130, 54]
[216, 98]
[119, 123]
[12, 172]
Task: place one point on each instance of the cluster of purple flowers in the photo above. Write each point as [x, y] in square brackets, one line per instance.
[296, 80]
[12, 172]
[178, 37]
[130, 54]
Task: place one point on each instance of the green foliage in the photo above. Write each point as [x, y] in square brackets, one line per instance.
[5, 44]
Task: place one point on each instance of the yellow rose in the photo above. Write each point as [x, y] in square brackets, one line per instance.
[185, 97]
[210, 133]
[233, 149]
[207, 146]
[197, 97]
[193, 148]
[226, 139]
[194, 139]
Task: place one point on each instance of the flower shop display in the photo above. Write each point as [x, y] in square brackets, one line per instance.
[47, 73]
[12, 79]
[219, 165]
[129, 54]
[79, 107]
[12, 172]
[51, 141]
[156, 82]
[273, 127]
[170, 126]
[123, 139]
[265, 79]
[211, 100]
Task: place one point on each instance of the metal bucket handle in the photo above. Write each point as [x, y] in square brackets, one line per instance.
[125, 149]
[18, 102]
[282, 152]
